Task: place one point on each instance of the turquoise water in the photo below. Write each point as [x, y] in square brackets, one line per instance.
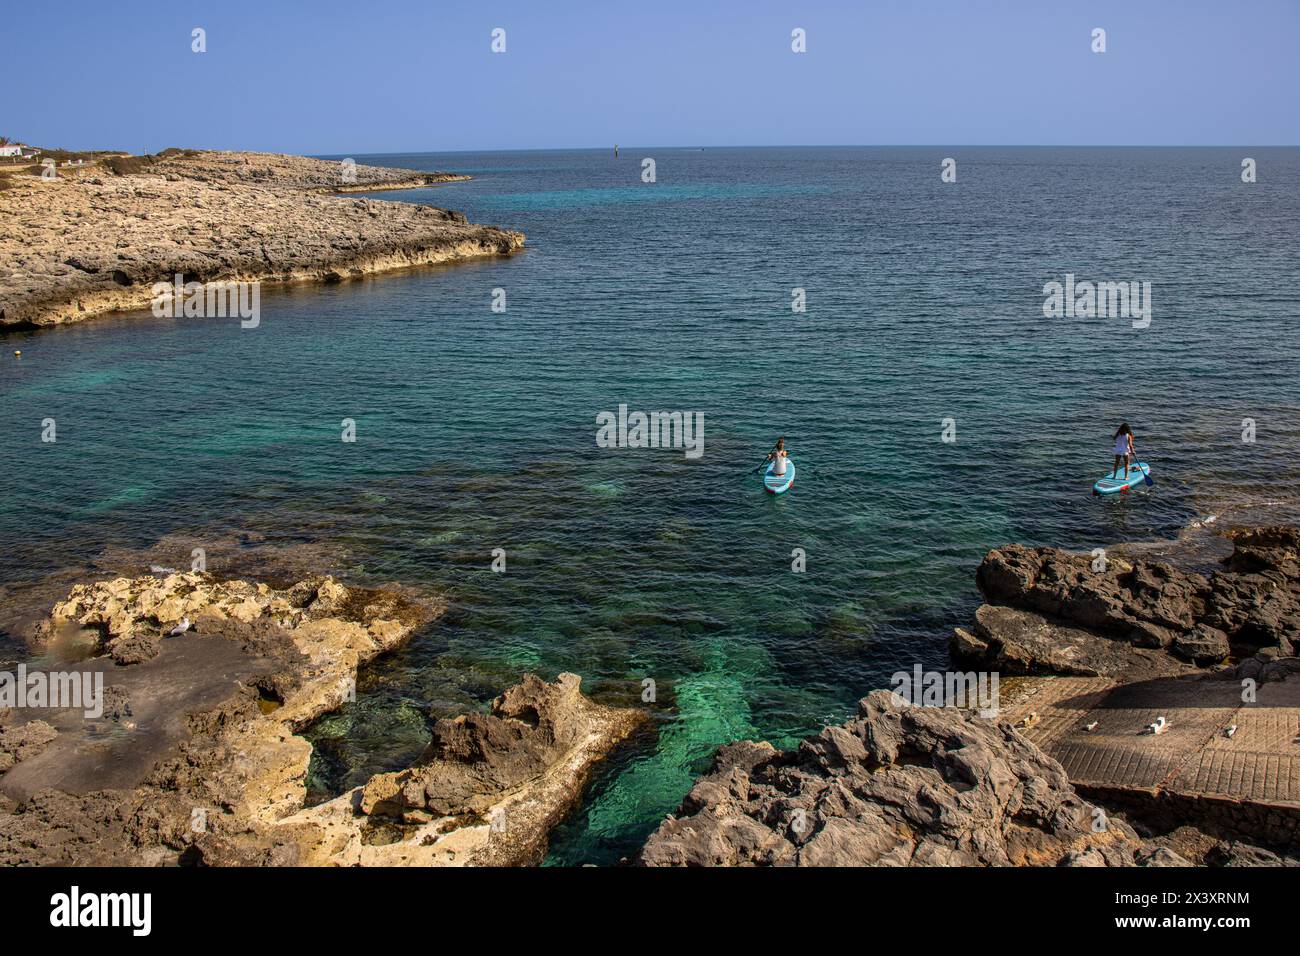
[475, 429]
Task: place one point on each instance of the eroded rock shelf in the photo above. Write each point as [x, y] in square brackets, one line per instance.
[96, 240]
[196, 757]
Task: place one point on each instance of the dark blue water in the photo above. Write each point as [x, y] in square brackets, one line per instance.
[475, 429]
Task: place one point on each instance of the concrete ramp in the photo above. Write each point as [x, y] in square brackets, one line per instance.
[1250, 780]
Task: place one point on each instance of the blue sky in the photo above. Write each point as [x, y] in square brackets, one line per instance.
[334, 77]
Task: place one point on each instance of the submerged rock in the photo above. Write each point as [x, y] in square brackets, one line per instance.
[896, 786]
[21, 741]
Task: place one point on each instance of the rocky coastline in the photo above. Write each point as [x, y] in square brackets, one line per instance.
[895, 786]
[1152, 717]
[96, 239]
[194, 754]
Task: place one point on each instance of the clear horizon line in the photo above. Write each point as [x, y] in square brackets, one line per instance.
[578, 149]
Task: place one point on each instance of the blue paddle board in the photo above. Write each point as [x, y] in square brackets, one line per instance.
[778, 484]
[1116, 484]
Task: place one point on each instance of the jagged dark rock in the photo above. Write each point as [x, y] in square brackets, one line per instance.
[1048, 611]
[1236, 853]
[896, 786]
[1160, 856]
[1014, 641]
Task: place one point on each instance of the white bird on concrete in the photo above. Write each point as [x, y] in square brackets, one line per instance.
[1159, 726]
[180, 628]
[1230, 731]
[1090, 727]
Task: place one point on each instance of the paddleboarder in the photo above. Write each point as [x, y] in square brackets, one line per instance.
[1123, 448]
[778, 458]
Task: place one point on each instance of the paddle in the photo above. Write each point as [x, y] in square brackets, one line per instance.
[763, 463]
[1146, 475]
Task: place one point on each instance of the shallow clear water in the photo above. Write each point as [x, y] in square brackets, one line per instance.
[475, 429]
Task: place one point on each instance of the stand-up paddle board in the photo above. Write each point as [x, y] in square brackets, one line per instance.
[778, 484]
[1116, 484]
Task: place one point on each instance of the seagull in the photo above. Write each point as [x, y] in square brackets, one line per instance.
[1090, 727]
[159, 569]
[180, 628]
[1230, 731]
[1159, 726]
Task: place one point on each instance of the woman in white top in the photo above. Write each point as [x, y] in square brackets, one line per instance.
[1123, 448]
[778, 456]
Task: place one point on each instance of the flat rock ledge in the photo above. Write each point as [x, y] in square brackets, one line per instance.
[196, 758]
[896, 786]
[96, 241]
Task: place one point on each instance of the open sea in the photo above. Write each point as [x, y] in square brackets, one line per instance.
[475, 429]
